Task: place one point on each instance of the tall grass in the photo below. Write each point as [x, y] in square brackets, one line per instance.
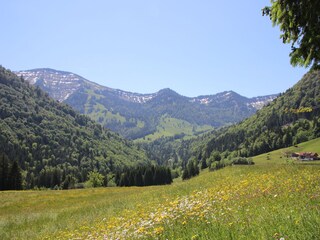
[240, 203]
[273, 199]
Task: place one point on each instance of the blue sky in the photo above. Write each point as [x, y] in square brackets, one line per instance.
[193, 47]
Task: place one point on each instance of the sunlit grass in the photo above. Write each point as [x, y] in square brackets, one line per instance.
[240, 203]
[275, 199]
[279, 156]
[169, 127]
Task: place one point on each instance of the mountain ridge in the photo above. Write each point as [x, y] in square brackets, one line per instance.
[34, 75]
[135, 115]
[292, 118]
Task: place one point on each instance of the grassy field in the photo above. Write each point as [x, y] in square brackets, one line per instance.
[169, 127]
[279, 156]
[275, 199]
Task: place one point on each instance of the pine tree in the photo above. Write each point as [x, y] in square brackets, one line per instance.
[148, 177]
[203, 164]
[169, 176]
[15, 177]
[185, 174]
[157, 176]
[191, 170]
[4, 172]
[138, 178]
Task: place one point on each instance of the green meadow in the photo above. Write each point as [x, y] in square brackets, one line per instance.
[168, 127]
[277, 198]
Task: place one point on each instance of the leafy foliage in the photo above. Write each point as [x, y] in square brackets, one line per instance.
[299, 22]
[54, 145]
[242, 161]
[96, 179]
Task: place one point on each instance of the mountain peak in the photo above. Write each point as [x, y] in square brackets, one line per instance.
[136, 115]
[49, 70]
[59, 84]
[166, 90]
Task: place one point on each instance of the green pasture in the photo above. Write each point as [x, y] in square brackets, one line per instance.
[277, 198]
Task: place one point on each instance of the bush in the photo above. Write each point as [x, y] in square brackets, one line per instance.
[217, 165]
[95, 179]
[242, 161]
[220, 164]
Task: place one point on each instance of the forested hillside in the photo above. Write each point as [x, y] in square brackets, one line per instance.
[292, 118]
[52, 144]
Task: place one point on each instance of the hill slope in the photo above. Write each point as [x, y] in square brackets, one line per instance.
[291, 118]
[137, 115]
[53, 144]
[270, 200]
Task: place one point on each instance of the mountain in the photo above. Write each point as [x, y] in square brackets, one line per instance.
[135, 115]
[290, 119]
[54, 145]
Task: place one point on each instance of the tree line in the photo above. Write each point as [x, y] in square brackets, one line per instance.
[10, 174]
[144, 176]
[290, 119]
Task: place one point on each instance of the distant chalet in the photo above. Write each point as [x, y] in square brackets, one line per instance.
[306, 156]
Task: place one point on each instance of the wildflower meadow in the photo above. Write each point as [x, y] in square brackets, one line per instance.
[274, 199]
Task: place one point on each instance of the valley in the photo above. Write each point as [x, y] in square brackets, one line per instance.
[122, 155]
[56, 147]
[236, 181]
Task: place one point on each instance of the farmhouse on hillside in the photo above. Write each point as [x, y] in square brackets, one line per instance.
[305, 156]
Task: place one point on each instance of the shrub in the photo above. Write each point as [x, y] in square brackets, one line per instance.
[95, 179]
[242, 161]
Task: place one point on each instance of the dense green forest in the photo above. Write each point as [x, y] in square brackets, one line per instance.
[54, 146]
[290, 119]
[144, 176]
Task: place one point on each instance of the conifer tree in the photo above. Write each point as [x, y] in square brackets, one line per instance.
[169, 176]
[203, 164]
[138, 178]
[185, 174]
[15, 177]
[148, 177]
[4, 172]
